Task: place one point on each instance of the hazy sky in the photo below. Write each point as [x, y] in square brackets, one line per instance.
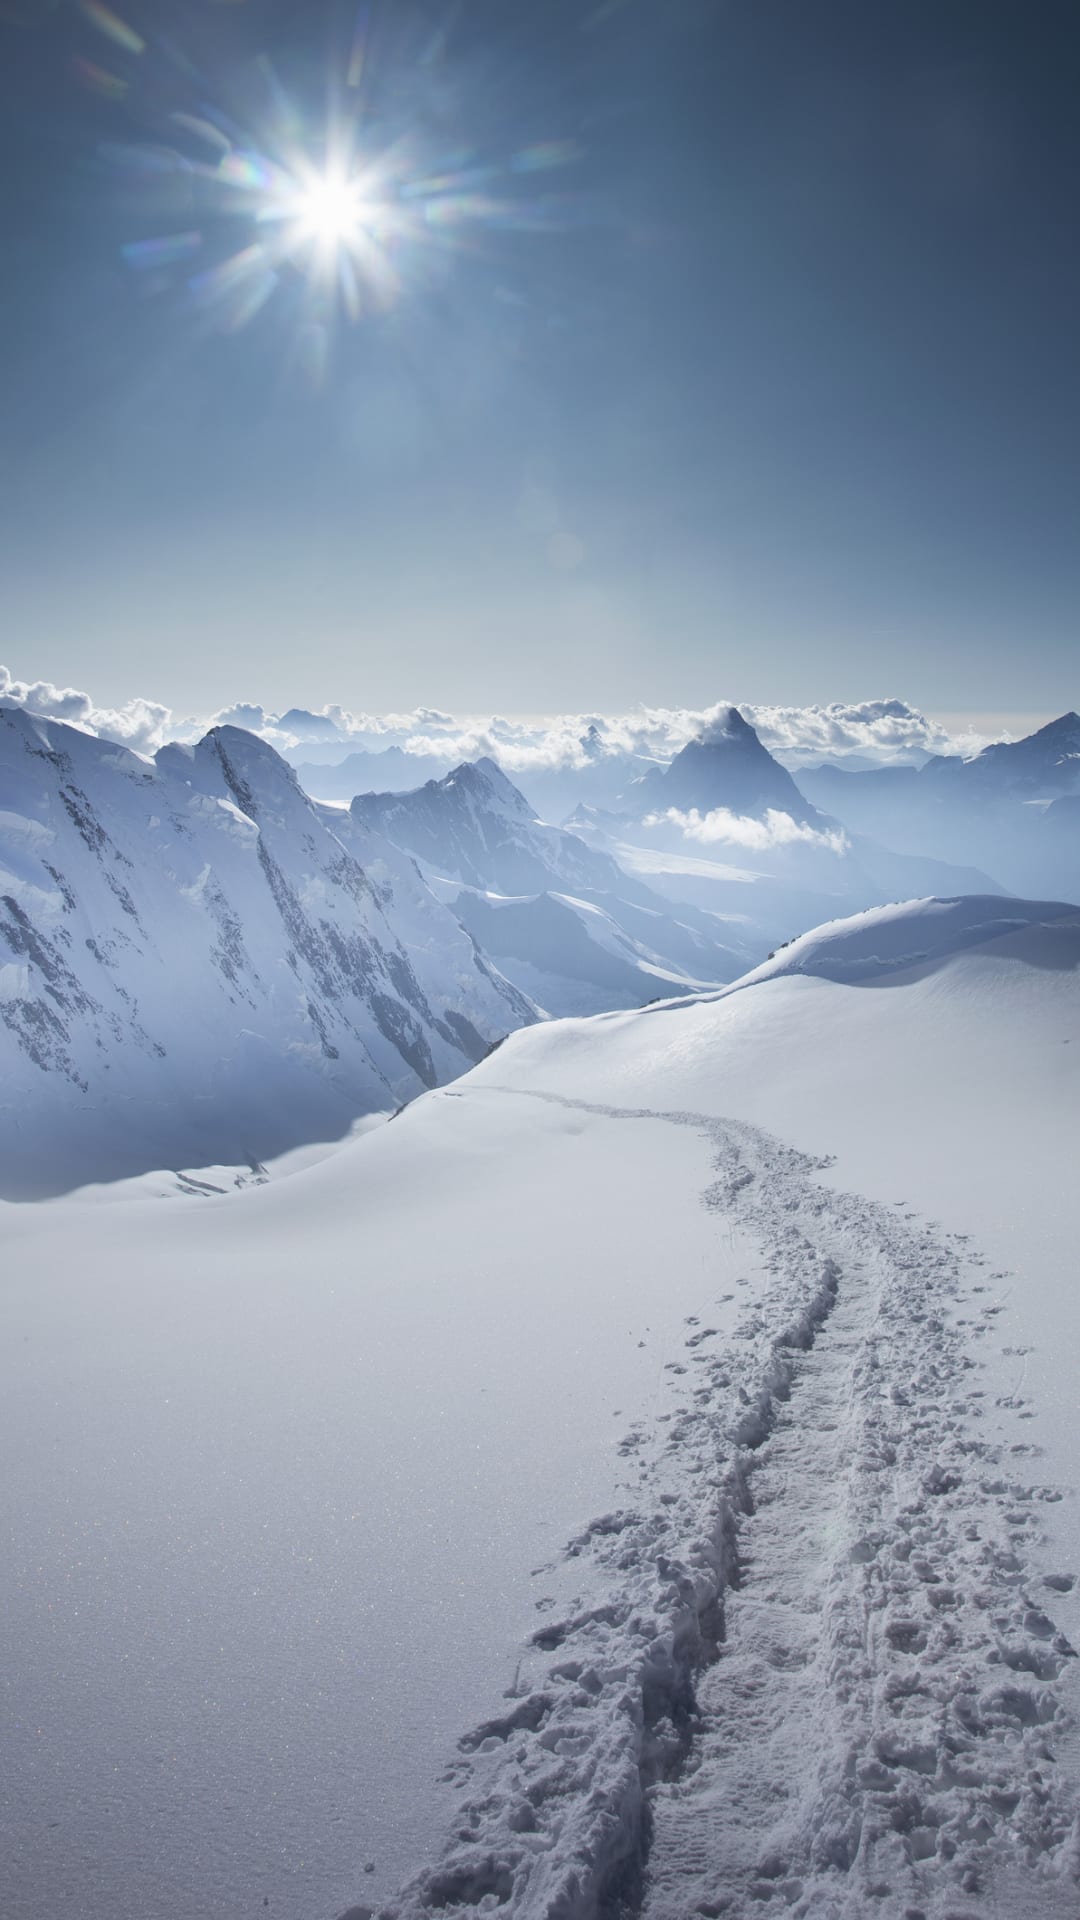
[733, 350]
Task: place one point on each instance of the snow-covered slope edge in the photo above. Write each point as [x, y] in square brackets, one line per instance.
[875, 946]
[920, 1723]
[912, 938]
[195, 969]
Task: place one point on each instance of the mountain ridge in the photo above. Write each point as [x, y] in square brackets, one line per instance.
[192, 962]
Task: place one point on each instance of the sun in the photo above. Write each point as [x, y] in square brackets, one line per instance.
[329, 209]
[337, 223]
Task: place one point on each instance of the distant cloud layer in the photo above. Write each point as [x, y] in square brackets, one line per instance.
[139, 724]
[878, 730]
[721, 827]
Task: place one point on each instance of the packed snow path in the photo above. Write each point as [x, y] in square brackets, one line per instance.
[827, 1681]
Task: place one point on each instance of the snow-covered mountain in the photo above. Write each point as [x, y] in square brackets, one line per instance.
[725, 767]
[596, 776]
[998, 809]
[1041, 766]
[647, 1467]
[562, 918]
[194, 966]
[726, 797]
[475, 826]
[576, 954]
[389, 769]
[827, 834]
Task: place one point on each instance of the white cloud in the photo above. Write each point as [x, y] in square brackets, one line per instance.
[252, 719]
[721, 827]
[883, 731]
[139, 724]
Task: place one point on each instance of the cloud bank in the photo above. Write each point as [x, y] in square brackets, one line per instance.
[880, 731]
[139, 724]
[721, 827]
[883, 731]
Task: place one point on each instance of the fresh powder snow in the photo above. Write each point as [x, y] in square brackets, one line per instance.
[638, 1478]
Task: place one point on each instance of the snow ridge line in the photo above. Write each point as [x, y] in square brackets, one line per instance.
[557, 1796]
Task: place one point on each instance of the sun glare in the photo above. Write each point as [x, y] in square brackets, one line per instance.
[330, 210]
[359, 225]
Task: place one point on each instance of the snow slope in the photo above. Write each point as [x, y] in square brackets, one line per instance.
[194, 966]
[664, 1431]
[920, 936]
[574, 955]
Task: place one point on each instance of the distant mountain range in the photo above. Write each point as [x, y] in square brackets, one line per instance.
[724, 797]
[560, 917]
[390, 768]
[200, 963]
[1010, 807]
[1045, 763]
[604, 912]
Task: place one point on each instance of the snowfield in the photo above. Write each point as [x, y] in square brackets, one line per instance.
[642, 1478]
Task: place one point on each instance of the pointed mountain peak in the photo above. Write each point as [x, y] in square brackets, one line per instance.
[254, 774]
[485, 778]
[247, 750]
[490, 769]
[1060, 737]
[728, 725]
[227, 735]
[727, 766]
[1066, 726]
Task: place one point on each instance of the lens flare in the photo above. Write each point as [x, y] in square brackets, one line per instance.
[112, 26]
[97, 79]
[338, 216]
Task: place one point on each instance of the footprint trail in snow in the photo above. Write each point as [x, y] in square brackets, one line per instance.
[824, 1679]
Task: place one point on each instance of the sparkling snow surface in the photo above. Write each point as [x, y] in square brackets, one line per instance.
[584, 1390]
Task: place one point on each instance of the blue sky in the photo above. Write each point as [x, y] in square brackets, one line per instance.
[763, 384]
